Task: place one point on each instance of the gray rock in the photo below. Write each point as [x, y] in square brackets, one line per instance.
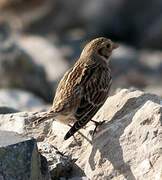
[156, 89]
[7, 110]
[50, 58]
[22, 123]
[19, 158]
[127, 146]
[136, 68]
[59, 164]
[19, 99]
[18, 70]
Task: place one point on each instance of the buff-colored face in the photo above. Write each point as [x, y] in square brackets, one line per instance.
[101, 47]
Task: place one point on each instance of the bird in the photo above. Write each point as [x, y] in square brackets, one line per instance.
[84, 88]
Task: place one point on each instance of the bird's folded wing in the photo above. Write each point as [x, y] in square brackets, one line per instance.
[94, 93]
[96, 85]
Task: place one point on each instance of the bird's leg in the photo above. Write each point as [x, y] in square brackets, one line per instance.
[97, 124]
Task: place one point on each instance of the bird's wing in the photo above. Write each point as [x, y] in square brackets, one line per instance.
[69, 91]
[96, 84]
[67, 97]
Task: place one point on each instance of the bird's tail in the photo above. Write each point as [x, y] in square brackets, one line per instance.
[77, 125]
[44, 117]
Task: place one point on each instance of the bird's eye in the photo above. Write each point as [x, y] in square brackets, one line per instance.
[108, 45]
[100, 51]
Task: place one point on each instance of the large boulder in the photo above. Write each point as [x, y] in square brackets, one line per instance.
[20, 159]
[127, 146]
[21, 123]
[18, 69]
[50, 58]
[7, 110]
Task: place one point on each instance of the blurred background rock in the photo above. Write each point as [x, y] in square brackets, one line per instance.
[41, 39]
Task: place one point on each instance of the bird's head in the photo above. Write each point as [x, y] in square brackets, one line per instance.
[100, 48]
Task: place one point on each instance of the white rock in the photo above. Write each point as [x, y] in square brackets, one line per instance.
[45, 54]
[127, 146]
[19, 99]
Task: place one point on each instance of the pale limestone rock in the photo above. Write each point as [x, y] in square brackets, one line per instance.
[22, 123]
[19, 99]
[127, 146]
[46, 54]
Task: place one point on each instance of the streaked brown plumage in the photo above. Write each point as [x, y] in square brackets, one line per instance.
[84, 88]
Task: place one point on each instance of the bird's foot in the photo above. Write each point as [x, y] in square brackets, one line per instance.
[97, 124]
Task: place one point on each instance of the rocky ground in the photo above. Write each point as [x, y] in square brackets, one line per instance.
[127, 146]
[39, 41]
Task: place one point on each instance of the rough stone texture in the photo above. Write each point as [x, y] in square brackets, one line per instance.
[59, 164]
[19, 99]
[19, 158]
[78, 178]
[127, 146]
[21, 123]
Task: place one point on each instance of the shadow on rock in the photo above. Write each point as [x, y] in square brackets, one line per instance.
[109, 144]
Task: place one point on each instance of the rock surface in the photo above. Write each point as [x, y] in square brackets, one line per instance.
[18, 70]
[21, 123]
[136, 68]
[50, 58]
[19, 99]
[7, 110]
[59, 164]
[19, 158]
[127, 146]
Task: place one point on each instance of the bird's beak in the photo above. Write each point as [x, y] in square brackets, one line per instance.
[115, 46]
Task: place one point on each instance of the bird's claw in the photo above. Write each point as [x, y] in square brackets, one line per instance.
[97, 124]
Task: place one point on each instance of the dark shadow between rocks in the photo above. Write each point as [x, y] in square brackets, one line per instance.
[7, 110]
[76, 171]
[110, 147]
